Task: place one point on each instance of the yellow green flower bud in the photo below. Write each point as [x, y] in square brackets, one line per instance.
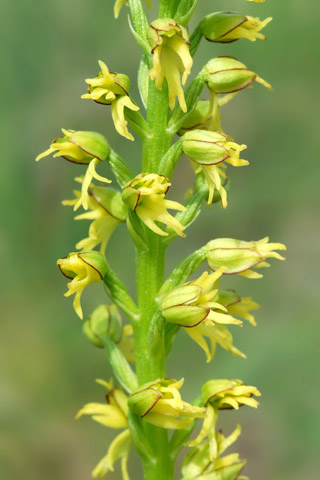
[112, 414]
[171, 57]
[191, 304]
[87, 148]
[226, 27]
[200, 464]
[109, 88]
[160, 403]
[145, 195]
[82, 268]
[107, 211]
[105, 321]
[78, 147]
[227, 75]
[208, 149]
[241, 257]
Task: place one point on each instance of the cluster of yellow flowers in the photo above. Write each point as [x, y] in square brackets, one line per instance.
[145, 400]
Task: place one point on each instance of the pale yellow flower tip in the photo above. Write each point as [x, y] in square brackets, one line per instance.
[117, 7]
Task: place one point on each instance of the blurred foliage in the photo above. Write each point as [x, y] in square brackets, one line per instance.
[48, 367]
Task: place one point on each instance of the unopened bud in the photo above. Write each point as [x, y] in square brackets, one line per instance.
[227, 75]
[104, 322]
[238, 256]
[78, 147]
[226, 27]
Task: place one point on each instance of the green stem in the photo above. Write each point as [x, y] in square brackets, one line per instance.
[150, 362]
[158, 142]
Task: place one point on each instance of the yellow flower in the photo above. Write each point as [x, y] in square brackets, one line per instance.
[111, 88]
[191, 304]
[106, 210]
[226, 27]
[241, 257]
[229, 394]
[198, 464]
[220, 395]
[88, 148]
[113, 414]
[171, 58]
[82, 268]
[207, 151]
[145, 195]
[160, 403]
[191, 307]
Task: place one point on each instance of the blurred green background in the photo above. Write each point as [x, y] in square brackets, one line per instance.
[47, 366]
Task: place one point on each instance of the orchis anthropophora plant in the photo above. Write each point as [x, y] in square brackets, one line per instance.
[147, 405]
